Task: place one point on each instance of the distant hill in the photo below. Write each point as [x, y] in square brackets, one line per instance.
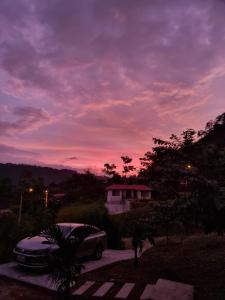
[49, 175]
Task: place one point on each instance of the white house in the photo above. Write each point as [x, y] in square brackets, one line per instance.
[121, 197]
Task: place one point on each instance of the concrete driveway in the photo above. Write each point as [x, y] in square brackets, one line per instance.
[12, 270]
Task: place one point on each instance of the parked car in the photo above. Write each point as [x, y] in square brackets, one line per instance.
[34, 251]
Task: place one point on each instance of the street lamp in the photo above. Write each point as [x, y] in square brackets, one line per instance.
[46, 198]
[189, 166]
[30, 190]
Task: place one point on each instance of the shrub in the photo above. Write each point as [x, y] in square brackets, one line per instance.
[8, 236]
[11, 233]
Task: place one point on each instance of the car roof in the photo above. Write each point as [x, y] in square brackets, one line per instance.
[71, 225]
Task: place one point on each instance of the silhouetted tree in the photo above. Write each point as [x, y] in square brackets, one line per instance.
[127, 168]
[139, 229]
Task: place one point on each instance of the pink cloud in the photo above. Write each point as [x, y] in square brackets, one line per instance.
[97, 79]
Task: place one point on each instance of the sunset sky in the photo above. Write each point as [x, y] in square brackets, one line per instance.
[83, 82]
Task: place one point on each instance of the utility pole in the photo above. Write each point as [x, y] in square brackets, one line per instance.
[30, 190]
[20, 208]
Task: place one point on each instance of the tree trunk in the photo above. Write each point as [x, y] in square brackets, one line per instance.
[135, 256]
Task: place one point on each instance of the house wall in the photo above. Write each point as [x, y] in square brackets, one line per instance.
[118, 208]
[116, 199]
[113, 199]
[119, 204]
[145, 195]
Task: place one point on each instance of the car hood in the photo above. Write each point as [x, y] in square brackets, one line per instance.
[36, 243]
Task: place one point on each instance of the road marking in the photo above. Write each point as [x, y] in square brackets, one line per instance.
[147, 292]
[103, 289]
[83, 288]
[125, 290]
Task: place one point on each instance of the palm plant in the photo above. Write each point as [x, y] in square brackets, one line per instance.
[140, 231]
[64, 267]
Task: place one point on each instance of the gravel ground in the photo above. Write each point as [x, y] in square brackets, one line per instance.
[11, 290]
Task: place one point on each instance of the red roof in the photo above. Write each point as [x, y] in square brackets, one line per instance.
[137, 187]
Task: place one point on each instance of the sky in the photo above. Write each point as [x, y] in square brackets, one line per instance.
[84, 82]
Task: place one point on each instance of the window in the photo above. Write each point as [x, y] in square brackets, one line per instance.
[115, 193]
[128, 194]
[92, 230]
[84, 231]
[65, 229]
[80, 232]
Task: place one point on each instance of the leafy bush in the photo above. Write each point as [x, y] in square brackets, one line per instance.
[11, 233]
[8, 236]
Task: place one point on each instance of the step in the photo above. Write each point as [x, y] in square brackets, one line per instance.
[171, 290]
[83, 288]
[125, 290]
[147, 292]
[103, 289]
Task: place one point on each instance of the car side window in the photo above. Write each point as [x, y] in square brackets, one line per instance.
[84, 231]
[79, 232]
[92, 230]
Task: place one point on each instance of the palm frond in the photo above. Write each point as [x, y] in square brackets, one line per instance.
[53, 234]
[63, 265]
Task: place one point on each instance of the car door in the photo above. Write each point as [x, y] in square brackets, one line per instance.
[91, 240]
[81, 233]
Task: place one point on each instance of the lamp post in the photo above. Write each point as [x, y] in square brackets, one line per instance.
[30, 190]
[188, 167]
[46, 198]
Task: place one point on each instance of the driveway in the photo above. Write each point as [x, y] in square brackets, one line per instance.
[12, 270]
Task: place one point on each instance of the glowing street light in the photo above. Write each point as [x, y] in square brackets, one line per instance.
[30, 190]
[46, 198]
[188, 167]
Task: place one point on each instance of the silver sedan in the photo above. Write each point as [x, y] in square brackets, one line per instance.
[33, 251]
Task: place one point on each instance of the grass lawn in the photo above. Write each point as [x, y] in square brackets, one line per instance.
[199, 260]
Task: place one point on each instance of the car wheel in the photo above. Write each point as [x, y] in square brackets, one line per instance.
[98, 252]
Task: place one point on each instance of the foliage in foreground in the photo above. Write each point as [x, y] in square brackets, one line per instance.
[141, 230]
[64, 267]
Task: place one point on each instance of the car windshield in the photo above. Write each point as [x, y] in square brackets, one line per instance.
[65, 229]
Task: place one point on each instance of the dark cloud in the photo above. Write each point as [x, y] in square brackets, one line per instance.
[72, 158]
[26, 118]
[9, 150]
